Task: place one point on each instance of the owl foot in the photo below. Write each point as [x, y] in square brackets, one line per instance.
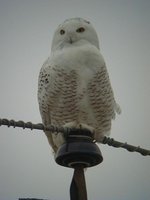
[77, 125]
[87, 127]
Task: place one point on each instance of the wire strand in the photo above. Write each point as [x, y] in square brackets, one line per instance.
[66, 131]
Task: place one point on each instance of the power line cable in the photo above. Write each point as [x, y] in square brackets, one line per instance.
[65, 131]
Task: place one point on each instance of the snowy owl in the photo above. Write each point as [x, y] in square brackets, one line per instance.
[74, 89]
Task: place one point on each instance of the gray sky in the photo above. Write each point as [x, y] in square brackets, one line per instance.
[27, 167]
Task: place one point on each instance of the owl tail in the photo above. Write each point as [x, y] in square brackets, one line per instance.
[51, 142]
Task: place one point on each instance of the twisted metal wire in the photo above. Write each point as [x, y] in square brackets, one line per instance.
[66, 131]
[131, 148]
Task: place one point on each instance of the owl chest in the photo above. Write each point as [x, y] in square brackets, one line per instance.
[72, 105]
[84, 59]
[74, 72]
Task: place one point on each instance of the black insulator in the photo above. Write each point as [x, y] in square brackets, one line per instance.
[79, 149]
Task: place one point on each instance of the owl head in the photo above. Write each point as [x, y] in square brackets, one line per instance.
[74, 32]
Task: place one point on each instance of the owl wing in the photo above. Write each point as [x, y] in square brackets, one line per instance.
[102, 102]
[49, 86]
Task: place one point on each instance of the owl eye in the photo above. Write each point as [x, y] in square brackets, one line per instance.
[62, 32]
[80, 30]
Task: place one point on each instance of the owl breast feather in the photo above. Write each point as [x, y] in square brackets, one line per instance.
[79, 58]
[75, 68]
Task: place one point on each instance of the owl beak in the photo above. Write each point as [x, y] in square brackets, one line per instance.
[70, 40]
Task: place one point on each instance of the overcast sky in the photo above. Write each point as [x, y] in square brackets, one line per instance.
[27, 166]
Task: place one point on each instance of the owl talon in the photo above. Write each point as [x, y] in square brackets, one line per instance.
[80, 126]
[87, 127]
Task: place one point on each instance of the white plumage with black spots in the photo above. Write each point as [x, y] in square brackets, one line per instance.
[74, 89]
